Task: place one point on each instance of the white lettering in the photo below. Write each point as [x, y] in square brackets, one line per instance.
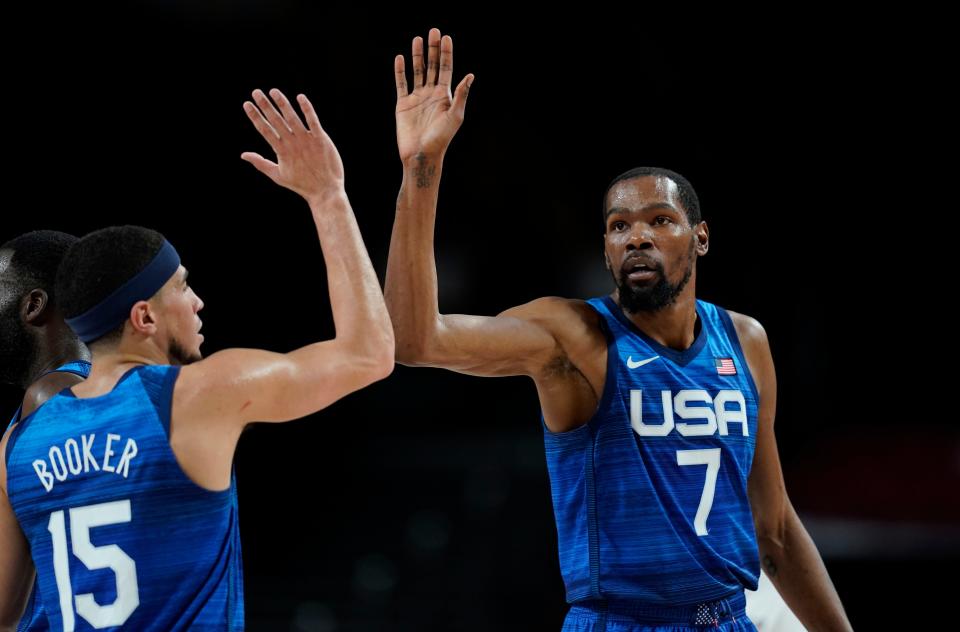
[46, 478]
[709, 418]
[694, 412]
[725, 416]
[636, 416]
[55, 457]
[73, 456]
[108, 452]
[129, 451]
[88, 460]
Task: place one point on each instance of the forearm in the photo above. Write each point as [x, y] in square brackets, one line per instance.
[359, 313]
[411, 283]
[791, 560]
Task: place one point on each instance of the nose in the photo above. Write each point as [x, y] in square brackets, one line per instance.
[641, 236]
[199, 305]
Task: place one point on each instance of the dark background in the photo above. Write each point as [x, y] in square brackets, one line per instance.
[422, 503]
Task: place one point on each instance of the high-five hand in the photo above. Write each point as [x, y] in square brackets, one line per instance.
[429, 116]
[307, 160]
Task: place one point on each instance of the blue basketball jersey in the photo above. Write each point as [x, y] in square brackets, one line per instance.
[650, 496]
[33, 619]
[119, 534]
[77, 367]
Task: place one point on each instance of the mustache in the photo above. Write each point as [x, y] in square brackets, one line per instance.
[638, 259]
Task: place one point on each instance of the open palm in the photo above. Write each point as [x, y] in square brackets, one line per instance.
[429, 116]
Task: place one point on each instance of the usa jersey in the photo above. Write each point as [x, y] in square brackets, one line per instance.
[650, 496]
[119, 534]
[33, 619]
[77, 367]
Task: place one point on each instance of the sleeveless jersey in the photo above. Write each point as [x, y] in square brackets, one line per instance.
[33, 619]
[650, 496]
[119, 534]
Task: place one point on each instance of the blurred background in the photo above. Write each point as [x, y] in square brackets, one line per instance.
[422, 503]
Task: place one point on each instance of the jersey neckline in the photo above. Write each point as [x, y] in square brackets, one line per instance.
[68, 392]
[681, 358]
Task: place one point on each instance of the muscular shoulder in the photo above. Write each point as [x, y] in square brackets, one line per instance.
[46, 387]
[749, 330]
[571, 321]
[756, 348]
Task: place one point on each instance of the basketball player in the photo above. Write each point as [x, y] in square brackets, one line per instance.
[38, 350]
[122, 484]
[657, 407]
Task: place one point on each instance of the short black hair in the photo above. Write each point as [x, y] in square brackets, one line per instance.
[35, 258]
[688, 197]
[100, 262]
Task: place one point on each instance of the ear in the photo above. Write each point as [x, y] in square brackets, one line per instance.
[703, 238]
[33, 307]
[143, 318]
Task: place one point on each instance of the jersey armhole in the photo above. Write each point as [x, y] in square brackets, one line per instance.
[14, 434]
[160, 390]
[738, 349]
[610, 382]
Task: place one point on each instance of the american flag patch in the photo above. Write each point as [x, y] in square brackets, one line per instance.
[725, 366]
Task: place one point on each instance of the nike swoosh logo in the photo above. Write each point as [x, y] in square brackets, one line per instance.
[633, 365]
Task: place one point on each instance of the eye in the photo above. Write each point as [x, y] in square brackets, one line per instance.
[663, 219]
[618, 225]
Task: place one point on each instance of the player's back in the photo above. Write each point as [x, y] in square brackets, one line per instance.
[34, 619]
[118, 532]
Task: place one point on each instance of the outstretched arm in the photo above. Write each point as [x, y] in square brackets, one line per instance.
[242, 385]
[787, 553]
[517, 341]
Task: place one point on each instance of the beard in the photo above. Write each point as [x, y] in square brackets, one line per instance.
[179, 355]
[17, 351]
[657, 296]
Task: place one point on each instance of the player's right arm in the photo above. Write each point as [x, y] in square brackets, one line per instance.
[16, 566]
[237, 386]
[519, 341]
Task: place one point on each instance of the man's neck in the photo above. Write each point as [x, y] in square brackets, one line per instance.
[674, 326]
[56, 350]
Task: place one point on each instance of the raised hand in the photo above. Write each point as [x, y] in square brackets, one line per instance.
[429, 116]
[307, 160]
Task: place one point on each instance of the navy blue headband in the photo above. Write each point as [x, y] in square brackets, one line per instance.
[113, 310]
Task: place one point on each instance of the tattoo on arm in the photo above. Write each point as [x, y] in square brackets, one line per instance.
[769, 566]
[424, 172]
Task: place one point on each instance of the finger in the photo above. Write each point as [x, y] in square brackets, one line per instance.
[446, 61]
[270, 113]
[400, 76]
[416, 57]
[266, 130]
[460, 96]
[286, 110]
[433, 57]
[309, 114]
[264, 166]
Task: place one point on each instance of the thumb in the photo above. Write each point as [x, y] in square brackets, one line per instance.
[460, 96]
[264, 166]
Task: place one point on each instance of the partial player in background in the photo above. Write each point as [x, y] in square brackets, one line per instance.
[38, 350]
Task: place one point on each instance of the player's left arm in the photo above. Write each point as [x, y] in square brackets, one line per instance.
[16, 566]
[787, 553]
